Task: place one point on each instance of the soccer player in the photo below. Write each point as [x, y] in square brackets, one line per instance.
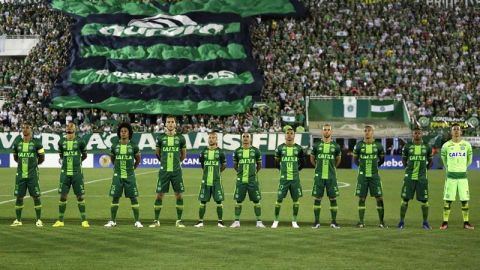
[72, 152]
[289, 159]
[417, 159]
[28, 153]
[213, 163]
[368, 155]
[125, 156]
[171, 151]
[456, 156]
[247, 162]
[326, 156]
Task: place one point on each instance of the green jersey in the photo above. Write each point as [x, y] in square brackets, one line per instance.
[170, 148]
[291, 161]
[212, 161]
[71, 152]
[368, 155]
[28, 153]
[325, 155]
[456, 158]
[246, 160]
[124, 155]
[417, 157]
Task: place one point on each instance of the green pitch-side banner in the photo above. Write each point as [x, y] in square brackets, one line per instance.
[100, 143]
[155, 57]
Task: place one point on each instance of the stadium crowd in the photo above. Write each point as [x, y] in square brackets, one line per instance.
[427, 55]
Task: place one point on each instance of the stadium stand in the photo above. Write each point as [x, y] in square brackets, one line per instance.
[426, 55]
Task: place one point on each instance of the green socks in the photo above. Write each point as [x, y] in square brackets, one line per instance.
[333, 210]
[296, 207]
[446, 211]
[201, 211]
[114, 208]
[220, 210]
[316, 210]
[157, 208]
[465, 211]
[278, 205]
[361, 210]
[238, 210]
[62, 206]
[258, 210]
[425, 207]
[179, 207]
[403, 210]
[135, 208]
[38, 207]
[18, 209]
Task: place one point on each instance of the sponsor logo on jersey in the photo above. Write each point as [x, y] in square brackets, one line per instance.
[26, 155]
[457, 154]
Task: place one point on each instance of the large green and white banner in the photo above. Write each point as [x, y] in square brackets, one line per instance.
[163, 57]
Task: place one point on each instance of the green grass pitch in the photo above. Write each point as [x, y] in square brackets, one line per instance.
[125, 247]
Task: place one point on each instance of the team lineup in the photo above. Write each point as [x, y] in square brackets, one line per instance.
[325, 155]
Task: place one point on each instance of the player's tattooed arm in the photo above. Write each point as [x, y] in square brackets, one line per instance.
[183, 154]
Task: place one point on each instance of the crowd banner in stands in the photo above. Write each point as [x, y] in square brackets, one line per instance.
[101, 143]
[453, 3]
[446, 122]
[438, 3]
[348, 116]
[338, 108]
[189, 57]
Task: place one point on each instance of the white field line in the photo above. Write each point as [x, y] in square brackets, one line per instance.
[340, 185]
[56, 189]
